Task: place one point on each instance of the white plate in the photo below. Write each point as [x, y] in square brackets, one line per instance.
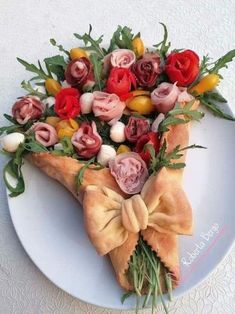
[49, 222]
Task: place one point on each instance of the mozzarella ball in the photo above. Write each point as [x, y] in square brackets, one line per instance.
[49, 101]
[117, 132]
[58, 146]
[86, 102]
[157, 121]
[11, 142]
[105, 154]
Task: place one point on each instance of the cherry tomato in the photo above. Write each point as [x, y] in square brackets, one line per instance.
[138, 46]
[207, 83]
[77, 53]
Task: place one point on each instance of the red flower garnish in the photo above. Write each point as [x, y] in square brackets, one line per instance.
[150, 138]
[67, 103]
[120, 81]
[182, 67]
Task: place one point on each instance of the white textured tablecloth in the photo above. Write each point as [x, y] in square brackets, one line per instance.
[25, 27]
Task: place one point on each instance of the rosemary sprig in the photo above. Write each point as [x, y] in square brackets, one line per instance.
[173, 119]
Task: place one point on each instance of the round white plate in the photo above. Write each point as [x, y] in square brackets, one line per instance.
[49, 222]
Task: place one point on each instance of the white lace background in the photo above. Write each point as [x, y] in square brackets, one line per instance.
[25, 27]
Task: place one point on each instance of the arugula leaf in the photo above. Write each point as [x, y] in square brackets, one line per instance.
[98, 68]
[79, 177]
[67, 148]
[9, 129]
[163, 46]
[32, 91]
[164, 159]
[56, 60]
[94, 43]
[10, 118]
[61, 48]
[122, 38]
[56, 65]
[13, 167]
[173, 119]
[208, 103]
[126, 296]
[32, 68]
[222, 62]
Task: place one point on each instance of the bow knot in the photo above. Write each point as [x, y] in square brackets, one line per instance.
[162, 205]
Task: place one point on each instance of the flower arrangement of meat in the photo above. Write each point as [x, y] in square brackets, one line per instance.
[112, 125]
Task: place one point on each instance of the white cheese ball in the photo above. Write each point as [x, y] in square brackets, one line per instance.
[105, 154]
[49, 101]
[117, 132]
[86, 102]
[157, 121]
[11, 142]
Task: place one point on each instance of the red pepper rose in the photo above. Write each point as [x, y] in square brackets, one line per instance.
[79, 73]
[120, 81]
[147, 69]
[149, 138]
[135, 128]
[182, 67]
[87, 140]
[67, 103]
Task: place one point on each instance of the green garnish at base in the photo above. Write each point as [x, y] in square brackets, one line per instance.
[146, 272]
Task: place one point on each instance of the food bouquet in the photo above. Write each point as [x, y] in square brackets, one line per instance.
[112, 125]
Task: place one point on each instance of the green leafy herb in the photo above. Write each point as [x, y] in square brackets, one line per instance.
[163, 46]
[67, 148]
[13, 167]
[98, 68]
[222, 62]
[94, 43]
[31, 90]
[41, 74]
[172, 117]
[9, 129]
[122, 38]
[56, 65]
[144, 271]
[61, 48]
[79, 177]
[208, 99]
[126, 296]
[164, 159]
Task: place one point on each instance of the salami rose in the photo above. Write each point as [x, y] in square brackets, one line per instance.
[27, 108]
[165, 96]
[45, 134]
[130, 172]
[147, 69]
[79, 73]
[135, 128]
[121, 58]
[87, 140]
[107, 107]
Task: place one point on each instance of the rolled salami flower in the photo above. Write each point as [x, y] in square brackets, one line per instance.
[86, 140]
[107, 107]
[45, 134]
[121, 58]
[165, 96]
[129, 171]
[27, 108]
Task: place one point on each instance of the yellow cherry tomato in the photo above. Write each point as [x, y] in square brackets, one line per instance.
[207, 83]
[139, 92]
[123, 149]
[52, 86]
[52, 121]
[138, 46]
[66, 128]
[78, 53]
[141, 104]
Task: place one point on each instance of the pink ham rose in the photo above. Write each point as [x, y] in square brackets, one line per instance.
[135, 128]
[27, 108]
[45, 134]
[79, 73]
[129, 171]
[107, 107]
[87, 140]
[165, 96]
[184, 96]
[121, 58]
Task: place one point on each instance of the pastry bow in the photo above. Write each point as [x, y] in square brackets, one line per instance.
[162, 205]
